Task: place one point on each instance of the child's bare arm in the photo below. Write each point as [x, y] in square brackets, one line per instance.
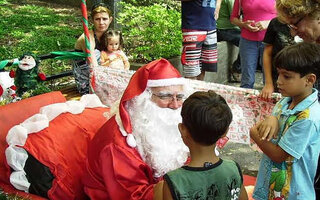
[243, 194]
[166, 192]
[273, 151]
[268, 128]
[158, 191]
[268, 88]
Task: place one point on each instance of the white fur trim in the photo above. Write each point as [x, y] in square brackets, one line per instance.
[36, 123]
[91, 101]
[17, 135]
[54, 110]
[166, 82]
[19, 180]
[131, 141]
[120, 125]
[75, 107]
[16, 157]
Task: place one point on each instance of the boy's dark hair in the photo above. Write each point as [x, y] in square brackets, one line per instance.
[112, 33]
[207, 116]
[302, 58]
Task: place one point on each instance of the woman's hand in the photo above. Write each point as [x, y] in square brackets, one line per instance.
[262, 25]
[250, 25]
[216, 14]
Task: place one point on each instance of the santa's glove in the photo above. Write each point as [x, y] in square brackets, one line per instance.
[1, 90]
[13, 87]
[42, 76]
[12, 73]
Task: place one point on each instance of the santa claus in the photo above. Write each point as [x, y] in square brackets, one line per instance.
[141, 142]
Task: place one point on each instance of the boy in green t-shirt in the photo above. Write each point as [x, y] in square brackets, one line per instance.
[205, 118]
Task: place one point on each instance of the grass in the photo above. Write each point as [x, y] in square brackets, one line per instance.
[40, 28]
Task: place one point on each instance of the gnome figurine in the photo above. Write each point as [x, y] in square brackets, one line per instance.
[27, 77]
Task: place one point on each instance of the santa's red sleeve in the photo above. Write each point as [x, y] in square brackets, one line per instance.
[115, 170]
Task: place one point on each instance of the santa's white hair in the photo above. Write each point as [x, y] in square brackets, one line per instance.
[157, 135]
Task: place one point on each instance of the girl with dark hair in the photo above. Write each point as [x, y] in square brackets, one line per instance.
[114, 57]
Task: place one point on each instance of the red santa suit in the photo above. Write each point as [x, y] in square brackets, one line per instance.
[115, 169]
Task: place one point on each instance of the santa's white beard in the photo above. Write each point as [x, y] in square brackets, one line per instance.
[157, 135]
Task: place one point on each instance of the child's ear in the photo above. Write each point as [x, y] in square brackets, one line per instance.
[311, 79]
[183, 130]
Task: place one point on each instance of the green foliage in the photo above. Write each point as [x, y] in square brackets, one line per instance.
[5, 196]
[38, 29]
[150, 32]
[166, 3]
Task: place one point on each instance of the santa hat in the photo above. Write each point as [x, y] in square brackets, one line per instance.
[155, 74]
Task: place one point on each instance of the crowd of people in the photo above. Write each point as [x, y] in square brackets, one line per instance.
[148, 150]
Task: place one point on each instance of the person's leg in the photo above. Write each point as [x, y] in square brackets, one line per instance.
[261, 49]
[236, 66]
[232, 36]
[249, 53]
[209, 54]
[229, 35]
[190, 58]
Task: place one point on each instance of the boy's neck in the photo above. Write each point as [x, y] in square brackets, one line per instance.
[201, 154]
[298, 98]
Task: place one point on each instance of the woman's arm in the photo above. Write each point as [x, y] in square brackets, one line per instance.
[81, 45]
[217, 10]
[268, 88]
